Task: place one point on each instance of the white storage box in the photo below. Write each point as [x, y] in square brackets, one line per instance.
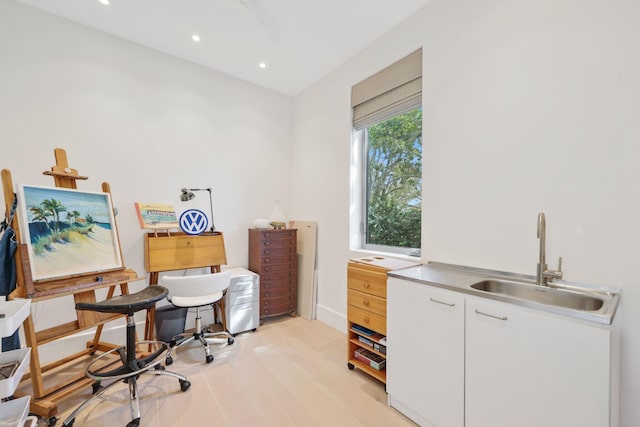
[9, 385]
[15, 311]
[13, 413]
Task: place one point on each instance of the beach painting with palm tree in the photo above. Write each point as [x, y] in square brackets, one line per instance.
[68, 232]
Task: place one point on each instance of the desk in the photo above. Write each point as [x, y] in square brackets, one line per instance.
[180, 251]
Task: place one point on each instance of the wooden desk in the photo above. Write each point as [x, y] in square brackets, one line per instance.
[180, 251]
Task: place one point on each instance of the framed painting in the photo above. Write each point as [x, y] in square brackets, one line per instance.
[68, 232]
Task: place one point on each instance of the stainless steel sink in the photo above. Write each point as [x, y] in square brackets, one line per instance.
[541, 294]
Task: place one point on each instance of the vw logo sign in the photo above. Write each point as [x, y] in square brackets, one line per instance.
[193, 221]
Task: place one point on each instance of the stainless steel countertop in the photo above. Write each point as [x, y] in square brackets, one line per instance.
[460, 278]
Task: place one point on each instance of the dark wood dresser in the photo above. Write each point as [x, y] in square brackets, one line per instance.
[273, 255]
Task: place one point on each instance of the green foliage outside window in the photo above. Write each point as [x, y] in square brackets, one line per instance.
[394, 181]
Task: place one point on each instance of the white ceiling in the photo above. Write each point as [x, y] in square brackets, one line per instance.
[299, 40]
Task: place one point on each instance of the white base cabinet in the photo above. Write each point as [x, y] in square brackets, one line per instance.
[476, 362]
[425, 336]
[531, 369]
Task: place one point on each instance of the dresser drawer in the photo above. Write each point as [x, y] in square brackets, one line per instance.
[278, 304]
[367, 302]
[278, 259]
[275, 272]
[367, 319]
[277, 250]
[276, 292]
[370, 282]
[271, 236]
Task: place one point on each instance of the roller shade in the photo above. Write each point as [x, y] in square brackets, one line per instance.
[392, 91]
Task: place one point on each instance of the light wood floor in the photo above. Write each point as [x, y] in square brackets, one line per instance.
[291, 372]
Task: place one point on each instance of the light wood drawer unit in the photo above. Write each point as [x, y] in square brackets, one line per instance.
[367, 307]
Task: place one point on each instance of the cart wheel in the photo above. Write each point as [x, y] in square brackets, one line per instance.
[350, 366]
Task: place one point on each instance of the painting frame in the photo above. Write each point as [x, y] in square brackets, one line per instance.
[68, 232]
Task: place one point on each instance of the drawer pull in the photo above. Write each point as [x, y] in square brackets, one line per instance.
[366, 285]
[365, 303]
[448, 304]
[365, 320]
[491, 315]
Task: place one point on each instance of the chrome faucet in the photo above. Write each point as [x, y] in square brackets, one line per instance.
[543, 275]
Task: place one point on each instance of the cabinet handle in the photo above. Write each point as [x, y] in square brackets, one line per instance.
[365, 303]
[448, 304]
[490, 315]
[366, 285]
[366, 320]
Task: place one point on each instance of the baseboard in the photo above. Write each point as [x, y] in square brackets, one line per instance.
[331, 318]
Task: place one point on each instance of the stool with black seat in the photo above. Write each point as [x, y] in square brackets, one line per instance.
[130, 368]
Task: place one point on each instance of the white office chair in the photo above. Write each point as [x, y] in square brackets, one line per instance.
[196, 292]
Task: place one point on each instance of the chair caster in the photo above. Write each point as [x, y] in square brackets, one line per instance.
[51, 421]
[254, 329]
[350, 366]
[209, 358]
[184, 385]
[96, 387]
[134, 423]
[168, 361]
[159, 368]
[230, 340]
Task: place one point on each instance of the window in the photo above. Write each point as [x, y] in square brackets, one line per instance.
[392, 206]
[387, 115]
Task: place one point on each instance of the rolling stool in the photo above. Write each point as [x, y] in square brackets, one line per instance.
[129, 368]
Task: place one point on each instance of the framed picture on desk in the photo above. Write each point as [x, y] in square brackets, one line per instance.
[68, 232]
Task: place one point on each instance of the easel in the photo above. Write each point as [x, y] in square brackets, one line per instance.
[180, 251]
[82, 287]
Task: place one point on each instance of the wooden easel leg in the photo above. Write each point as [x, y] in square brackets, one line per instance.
[36, 372]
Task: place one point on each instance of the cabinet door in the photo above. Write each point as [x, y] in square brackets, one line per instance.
[531, 369]
[425, 353]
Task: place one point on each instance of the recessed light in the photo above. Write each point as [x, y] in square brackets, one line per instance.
[195, 38]
[104, 2]
[262, 65]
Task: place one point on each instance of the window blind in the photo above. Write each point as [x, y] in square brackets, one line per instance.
[392, 91]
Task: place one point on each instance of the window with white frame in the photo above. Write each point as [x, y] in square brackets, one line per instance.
[387, 114]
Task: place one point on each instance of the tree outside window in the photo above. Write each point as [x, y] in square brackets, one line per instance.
[394, 183]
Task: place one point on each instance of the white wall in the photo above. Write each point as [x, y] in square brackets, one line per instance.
[529, 106]
[147, 123]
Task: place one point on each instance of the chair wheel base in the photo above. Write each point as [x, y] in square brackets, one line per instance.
[184, 385]
[230, 340]
[168, 361]
[209, 358]
[134, 423]
[96, 387]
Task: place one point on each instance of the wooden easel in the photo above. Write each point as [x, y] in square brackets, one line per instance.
[82, 287]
